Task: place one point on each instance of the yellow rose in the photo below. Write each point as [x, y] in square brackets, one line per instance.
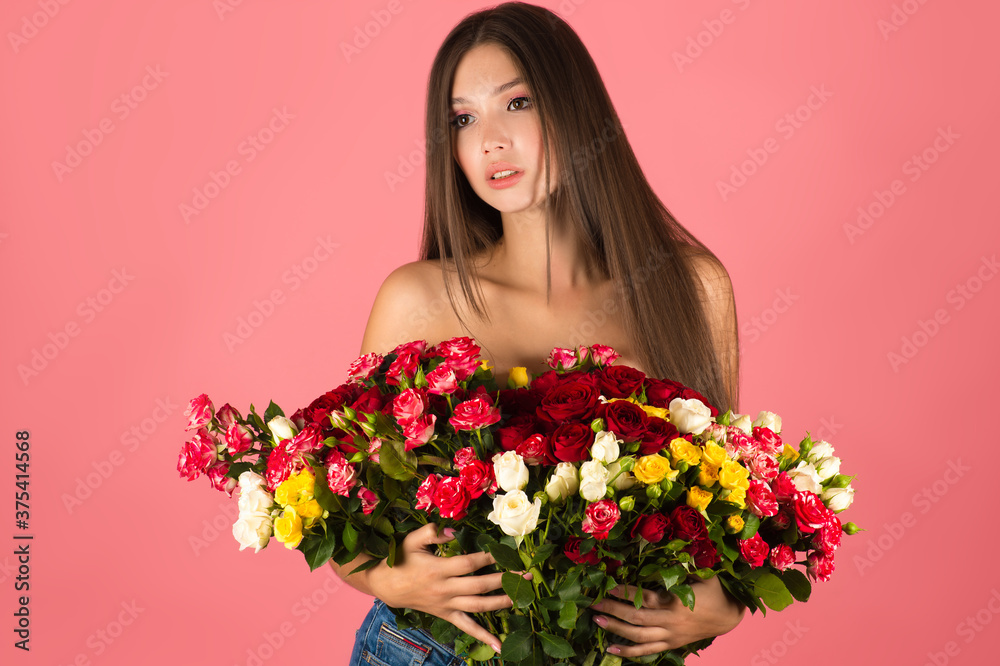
[734, 524]
[653, 469]
[789, 453]
[714, 454]
[309, 509]
[659, 412]
[734, 475]
[698, 498]
[518, 377]
[681, 449]
[708, 474]
[485, 365]
[288, 528]
[296, 489]
[737, 496]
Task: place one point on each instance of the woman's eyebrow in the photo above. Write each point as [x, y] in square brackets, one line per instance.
[499, 89]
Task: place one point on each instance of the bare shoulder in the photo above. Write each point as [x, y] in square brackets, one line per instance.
[408, 303]
[713, 278]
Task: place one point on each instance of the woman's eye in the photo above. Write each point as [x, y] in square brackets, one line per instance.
[457, 121]
[519, 103]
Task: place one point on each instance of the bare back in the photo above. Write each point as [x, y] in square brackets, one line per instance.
[522, 328]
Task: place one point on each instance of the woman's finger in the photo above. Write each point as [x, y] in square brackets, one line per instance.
[469, 626]
[637, 633]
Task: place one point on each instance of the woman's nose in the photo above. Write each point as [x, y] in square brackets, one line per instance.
[495, 137]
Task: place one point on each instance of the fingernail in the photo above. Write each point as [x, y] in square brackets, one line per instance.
[614, 649]
[496, 647]
[449, 532]
[600, 620]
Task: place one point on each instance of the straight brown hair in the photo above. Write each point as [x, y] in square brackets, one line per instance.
[621, 228]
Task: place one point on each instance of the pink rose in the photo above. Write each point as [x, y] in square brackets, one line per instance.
[767, 440]
[307, 440]
[420, 431]
[760, 499]
[281, 464]
[217, 475]
[459, 347]
[535, 450]
[238, 438]
[340, 474]
[762, 465]
[374, 447]
[820, 567]
[413, 347]
[810, 513]
[561, 358]
[409, 405]
[197, 455]
[199, 412]
[781, 520]
[425, 493]
[783, 488]
[442, 380]
[603, 354]
[404, 365]
[754, 550]
[737, 442]
[228, 415]
[600, 517]
[478, 478]
[464, 456]
[827, 538]
[451, 497]
[474, 414]
[364, 367]
[782, 557]
[369, 500]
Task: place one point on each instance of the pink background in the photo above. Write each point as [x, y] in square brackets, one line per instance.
[114, 527]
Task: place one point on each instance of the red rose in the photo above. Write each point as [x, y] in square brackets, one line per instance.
[545, 382]
[404, 365]
[658, 435]
[369, 500]
[600, 517]
[200, 412]
[458, 347]
[319, 410]
[754, 550]
[217, 477]
[464, 456]
[535, 450]
[760, 499]
[477, 477]
[280, 465]
[652, 528]
[571, 442]
[364, 366]
[782, 557]
[567, 402]
[451, 497]
[307, 440]
[414, 347]
[341, 475]
[442, 380]
[474, 414]
[781, 520]
[704, 552]
[827, 538]
[810, 513]
[767, 439]
[238, 438]
[514, 432]
[783, 488]
[620, 381]
[625, 419]
[688, 523]
[227, 416]
[370, 401]
[520, 400]
[659, 392]
[425, 493]
[409, 405]
[572, 551]
[419, 431]
[820, 567]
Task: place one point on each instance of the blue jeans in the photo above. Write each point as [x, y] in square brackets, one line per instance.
[380, 642]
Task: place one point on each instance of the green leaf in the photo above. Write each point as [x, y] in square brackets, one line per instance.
[506, 557]
[750, 525]
[272, 411]
[350, 537]
[543, 553]
[797, 584]
[567, 615]
[397, 462]
[672, 576]
[370, 564]
[517, 646]
[554, 646]
[685, 594]
[518, 589]
[481, 652]
[319, 549]
[391, 559]
[772, 591]
[637, 602]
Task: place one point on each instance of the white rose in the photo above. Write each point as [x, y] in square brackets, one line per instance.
[605, 447]
[838, 499]
[743, 423]
[805, 478]
[820, 450]
[250, 479]
[515, 515]
[281, 428]
[768, 420]
[510, 471]
[255, 500]
[828, 467]
[689, 416]
[253, 529]
[564, 482]
[593, 480]
[623, 481]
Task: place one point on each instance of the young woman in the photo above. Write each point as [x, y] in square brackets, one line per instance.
[541, 231]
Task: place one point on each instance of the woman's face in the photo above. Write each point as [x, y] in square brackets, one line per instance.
[496, 130]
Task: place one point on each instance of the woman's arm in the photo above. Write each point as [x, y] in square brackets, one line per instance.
[663, 623]
[403, 310]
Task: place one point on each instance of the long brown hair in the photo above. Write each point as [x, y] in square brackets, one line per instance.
[622, 229]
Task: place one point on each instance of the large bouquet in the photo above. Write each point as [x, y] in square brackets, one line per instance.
[589, 476]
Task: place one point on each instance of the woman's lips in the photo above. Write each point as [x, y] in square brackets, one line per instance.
[502, 183]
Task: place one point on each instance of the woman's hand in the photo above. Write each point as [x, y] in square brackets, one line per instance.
[440, 586]
[663, 622]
